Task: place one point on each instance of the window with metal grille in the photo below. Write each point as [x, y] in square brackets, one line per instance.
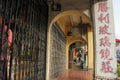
[23, 28]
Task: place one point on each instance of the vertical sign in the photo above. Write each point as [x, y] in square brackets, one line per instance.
[106, 64]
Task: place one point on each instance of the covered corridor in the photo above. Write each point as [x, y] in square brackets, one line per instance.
[47, 39]
[68, 45]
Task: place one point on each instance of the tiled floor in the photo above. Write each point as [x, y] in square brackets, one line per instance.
[75, 75]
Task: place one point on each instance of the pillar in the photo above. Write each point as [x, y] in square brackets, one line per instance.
[105, 54]
[90, 49]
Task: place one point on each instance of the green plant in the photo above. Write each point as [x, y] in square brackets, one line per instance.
[118, 69]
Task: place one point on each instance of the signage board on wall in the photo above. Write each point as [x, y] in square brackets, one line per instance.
[105, 59]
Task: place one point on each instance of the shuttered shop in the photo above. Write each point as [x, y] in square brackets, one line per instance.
[23, 27]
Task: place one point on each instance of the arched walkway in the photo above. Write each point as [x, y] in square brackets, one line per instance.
[60, 26]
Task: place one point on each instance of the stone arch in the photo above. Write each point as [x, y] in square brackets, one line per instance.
[72, 40]
[89, 42]
[70, 12]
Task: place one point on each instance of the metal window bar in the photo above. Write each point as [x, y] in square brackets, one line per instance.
[27, 57]
[15, 44]
[27, 41]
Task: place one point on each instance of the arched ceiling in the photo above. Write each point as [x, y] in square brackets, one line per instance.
[69, 16]
[71, 19]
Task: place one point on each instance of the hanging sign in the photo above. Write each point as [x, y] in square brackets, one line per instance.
[106, 63]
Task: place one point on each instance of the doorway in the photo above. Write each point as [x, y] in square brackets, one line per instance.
[77, 56]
